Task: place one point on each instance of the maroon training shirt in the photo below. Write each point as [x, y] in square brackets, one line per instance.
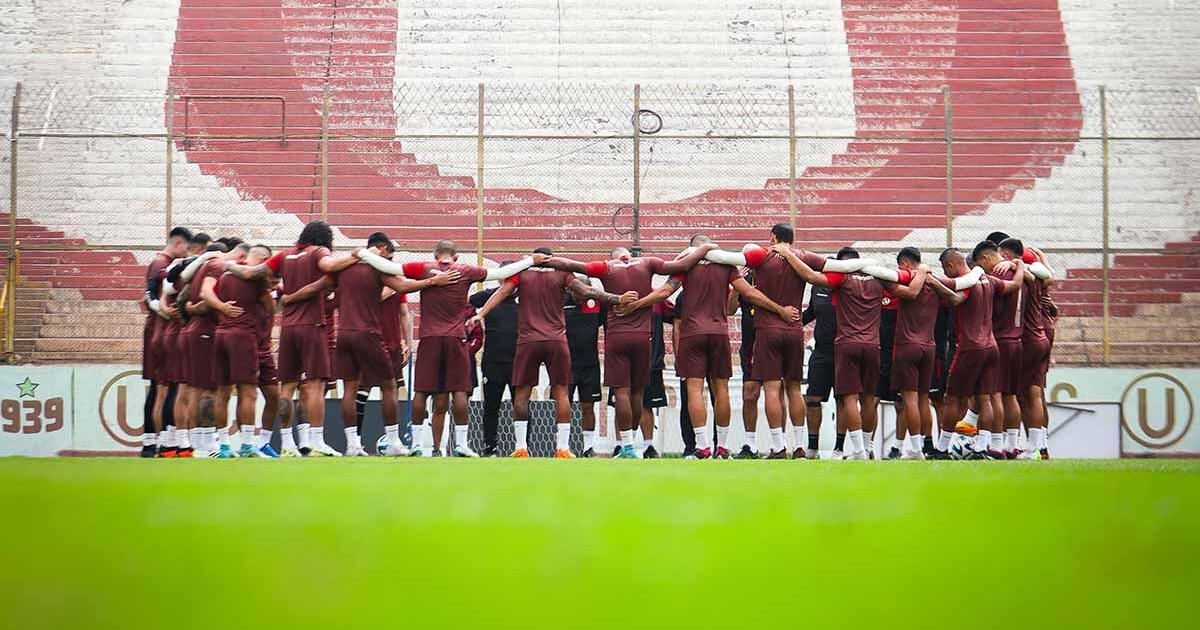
[359, 288]
[540, 304]
[973, 318]
[246, 295]
[707, 288]
[1006, 311]
[778, 281]
[918, 317]
[299, 268]
[1033, 312]
[857, 300]
[389, 320]
[442, 307]
[620, 276]
[206, 323]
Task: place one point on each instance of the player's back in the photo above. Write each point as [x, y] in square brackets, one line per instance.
[540, 303]
[244, 294]
[918, 317]
[635, 274]
[442, 306]
[299, 268]
[776, 279]
[973, 318]
[707, 288]
[203, 323]
[857, 303]
[359, 288]
[1006, 311]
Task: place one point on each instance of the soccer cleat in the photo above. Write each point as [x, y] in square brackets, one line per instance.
[225, 452]
[720, 452]
[746, 453]
[780, 454]
[396, 448]
[266, 450]
[917, 455]
[463, 450]
[489, 451]
[589, 453]
[1011, 454]
[965, 429]
[650, 453]
[416, 451]
[1032, 454]
[356, 450]
[185, 453]
[626, 451]
[149, 451]
[858, 455]
[290, 452]
[323, 450]
[521, 453]
[563, 453]
[977, 456]
[700, 453]
[247, 451]
[936, 454]
[617, 451]
[836, 455]
[799, 454]
[895, 453]
[1045, 453]
[813, 454]
[167, 452]
[996, 455]
[437, 452]
[305, 451]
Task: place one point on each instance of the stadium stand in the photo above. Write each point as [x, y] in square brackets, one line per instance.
[1020, 68]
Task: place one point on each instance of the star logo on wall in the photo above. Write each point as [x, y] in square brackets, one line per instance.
[27, 388]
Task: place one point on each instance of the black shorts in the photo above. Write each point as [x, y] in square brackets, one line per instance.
[887, 337]
[820, 375]
[653, 397]
[585, 379]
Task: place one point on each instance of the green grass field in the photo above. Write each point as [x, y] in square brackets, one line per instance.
[338, 543]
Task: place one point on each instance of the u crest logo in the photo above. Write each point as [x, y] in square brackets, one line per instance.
[1156, 410]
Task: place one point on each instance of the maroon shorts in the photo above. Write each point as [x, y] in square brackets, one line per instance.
[151, 350]
[1008, 366]
[627, 360]
[443, 365]
[1035, 362]
[855, 368]
[398, 363]
[363, 357]
[704, 356]
[171, 369]
[303, 354]
[268, 374]
[237, 357]
[912, 367]
[200, 357]
[532, 354]
[778, 354]
[973, 372]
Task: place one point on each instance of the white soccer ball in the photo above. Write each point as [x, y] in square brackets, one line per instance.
[381, 445]
[961, 446]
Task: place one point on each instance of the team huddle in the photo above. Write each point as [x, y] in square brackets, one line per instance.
[971, 344]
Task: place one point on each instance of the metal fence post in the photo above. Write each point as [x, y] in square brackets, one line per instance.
[792, 156]
[948, 130]
[170, 192]
[1104, 184]
[479, 180]
[637, 170]
[325, 153]
[10, 294]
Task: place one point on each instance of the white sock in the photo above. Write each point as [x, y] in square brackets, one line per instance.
[223, 436]
[722, 436]
[563, 439]
[393, 432]
[856, 441]
[287, 440]
[800, 437]
[971, 418]
[247, 431]
[777, 443]
[351, 437]
[167, 438]
[418, 437]
[916, 443]
[589, 439]
[316, 437]
[703, 438]
[183, 438]
[647, 444]
[752, 440]
[997, 443]
[1037, 438]
[1010, 439]
[983, 439]
[626, 438]
[149, 439]
[520, 427]
[869, 440]
[304, 432]
[943, 441]
[460, 435]
[264, 437]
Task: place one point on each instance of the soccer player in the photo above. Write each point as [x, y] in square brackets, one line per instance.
[362, 355]
[304, 359]
[973, 373]
[1035, 349]
[268, 373]
[542, 340]
[152, 351]
[655, 394]
[704, 350]
[913, 349]
[820, 367]
[885, 389]
[499, 347]
[583, 338]
[394, 324]
[627, 333]
[857, 299]
[443, 367]
[751, 389]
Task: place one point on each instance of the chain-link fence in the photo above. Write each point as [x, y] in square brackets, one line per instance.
[1104, 179]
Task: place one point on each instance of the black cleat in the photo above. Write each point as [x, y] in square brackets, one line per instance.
[977, 456]
[1045, 452]
[305, 451]
[688, 453]
[746, 453]
[616, 451]
[650, 453]
[437, 452]
[589, 453]
[894, 453]
[489, 451]
[149, 451]
[936, 454]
